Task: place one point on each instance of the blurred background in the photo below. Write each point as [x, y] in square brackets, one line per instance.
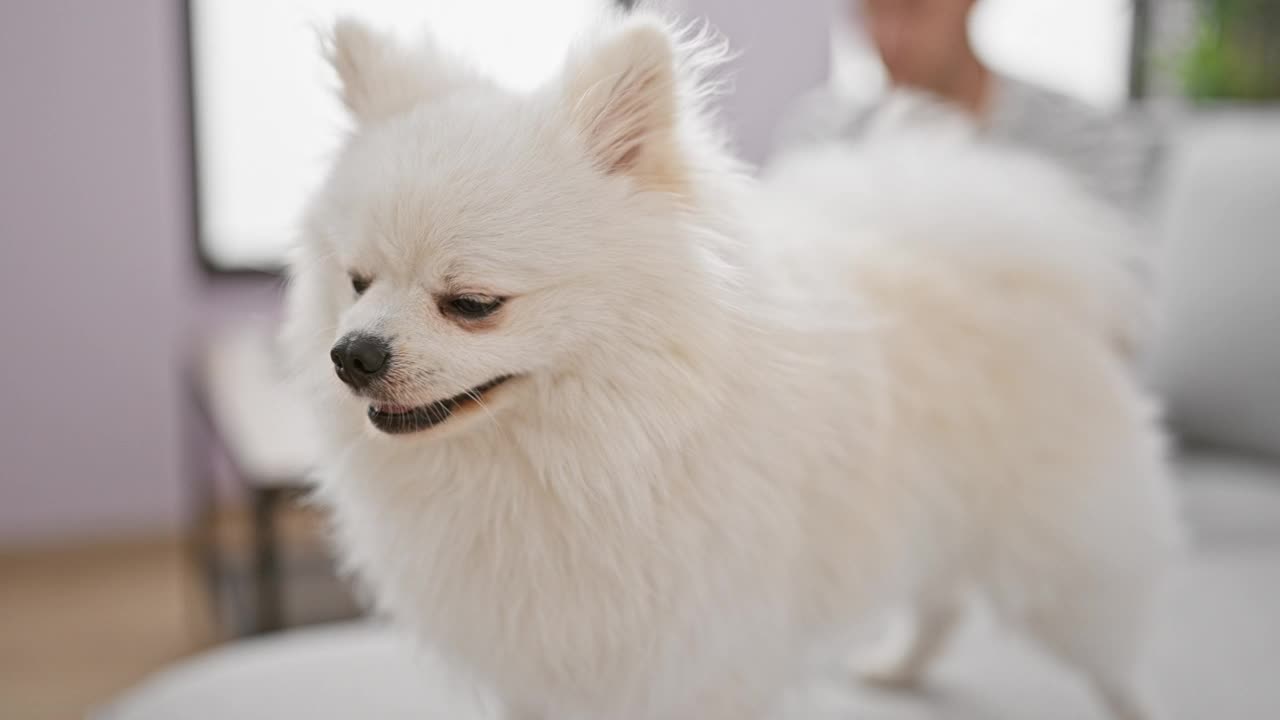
[154, 155]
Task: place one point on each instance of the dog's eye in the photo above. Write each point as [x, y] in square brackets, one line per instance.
[471, 307]
[359, 283]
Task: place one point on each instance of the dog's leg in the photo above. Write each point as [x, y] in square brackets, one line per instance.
[1098, 628]
[902, 662]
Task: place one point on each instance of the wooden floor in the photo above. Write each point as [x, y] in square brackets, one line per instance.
[79, 624]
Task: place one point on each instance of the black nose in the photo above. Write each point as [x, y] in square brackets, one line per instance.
[360, 359]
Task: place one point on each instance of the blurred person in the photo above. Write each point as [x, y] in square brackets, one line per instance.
[925, 46]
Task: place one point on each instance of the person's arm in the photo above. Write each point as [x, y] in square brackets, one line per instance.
[1114, 154]
[819, 116]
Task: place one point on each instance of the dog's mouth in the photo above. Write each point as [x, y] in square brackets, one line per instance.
[400, 419]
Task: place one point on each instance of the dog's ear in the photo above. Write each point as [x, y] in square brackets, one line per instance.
[623, 98]
[379, 78]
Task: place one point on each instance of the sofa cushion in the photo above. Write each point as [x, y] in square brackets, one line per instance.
[1214, 654]
[1215, 659]
[1230, 500]
[1217, 357]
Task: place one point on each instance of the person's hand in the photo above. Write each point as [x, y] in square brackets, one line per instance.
[924, 45]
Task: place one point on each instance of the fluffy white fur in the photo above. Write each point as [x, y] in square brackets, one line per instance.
[748, 415]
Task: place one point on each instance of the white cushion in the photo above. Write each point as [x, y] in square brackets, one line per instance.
[1217, 359]
[357, 670]
[1214, 657]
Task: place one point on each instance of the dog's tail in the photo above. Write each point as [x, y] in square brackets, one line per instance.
[1013, 219]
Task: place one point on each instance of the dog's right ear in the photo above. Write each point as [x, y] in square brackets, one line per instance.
[624, 98]
[379, 78]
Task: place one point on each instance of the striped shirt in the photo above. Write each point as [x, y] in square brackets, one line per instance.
[1115, 155]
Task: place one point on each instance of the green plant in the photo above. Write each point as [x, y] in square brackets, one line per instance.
[1236, 51]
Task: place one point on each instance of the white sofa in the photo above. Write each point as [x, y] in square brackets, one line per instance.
[1217, 655]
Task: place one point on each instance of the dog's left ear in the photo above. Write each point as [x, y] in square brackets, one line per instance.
[379, 78]
[623, 97]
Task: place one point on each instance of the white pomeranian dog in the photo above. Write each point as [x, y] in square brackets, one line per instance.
[629, 435]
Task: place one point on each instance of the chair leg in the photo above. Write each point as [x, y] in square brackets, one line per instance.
[267, 580]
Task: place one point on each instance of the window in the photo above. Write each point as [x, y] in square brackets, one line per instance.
[266, 116]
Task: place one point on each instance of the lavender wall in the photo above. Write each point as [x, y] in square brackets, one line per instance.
[98, 290]
[93, 252]
[784, 50]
